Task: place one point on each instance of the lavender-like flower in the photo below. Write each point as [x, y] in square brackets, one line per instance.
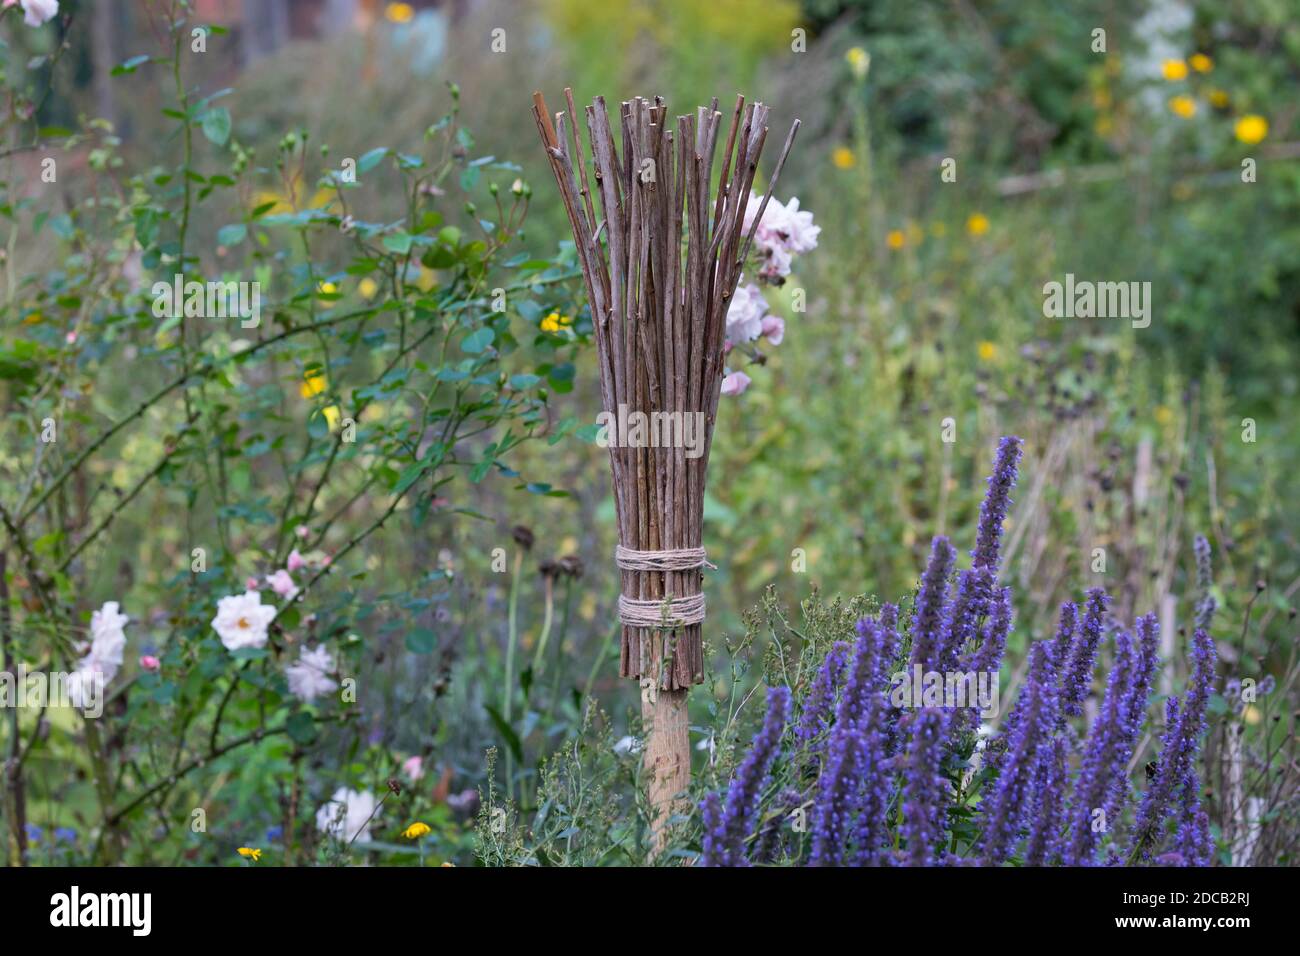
[988, 658]
[1194, 842]
[993, 511]
[821, 697]
[1050, 782]
[927, 624]
[1064, 639]
[1006, 806]
[726, 848]
[1179, 746]
[924, 787]
[1104, 759]
[1078, 675]
[834, 806]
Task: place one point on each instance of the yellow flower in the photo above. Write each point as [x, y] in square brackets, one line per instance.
[367, 287]
[313, 383]
[415, 830]
[1218, 98]
[1174, 70]
[33, 318]
[1201, 63]
[895, 239]
[329, 288]
[399, 12]
[554, 322]
[842, 157]
[859, 61]
[332, 416]
[1164, 414]
[987, 351]
[977, 224]
[248, 853]
[1183, 106]
[1250, 129]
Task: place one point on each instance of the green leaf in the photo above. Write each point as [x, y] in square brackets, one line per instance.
[370, 160]
[478, 340]
[301, 728]
[216, 125]
[129, 65]
[232, 235]
[421, 641]
[506, 731]
[398, 242]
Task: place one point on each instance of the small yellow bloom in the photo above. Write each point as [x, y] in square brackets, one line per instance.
[415, 830]
[859, 61]
[313, 383]
[987, 351]
[1201, 63]
[842, 157]
[33, 318]
[895, 239]
[248, 853]
[977, 224]
[329, 288]
[367, 287]
[399, 12]
[1218, 98]
[1164, 414]
[1174, 70]
[554, 322]
[1183, 106]
[1252, 714]
[332, 417]
[1250, 129]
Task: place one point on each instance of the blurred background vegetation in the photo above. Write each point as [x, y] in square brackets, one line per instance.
[924, 303]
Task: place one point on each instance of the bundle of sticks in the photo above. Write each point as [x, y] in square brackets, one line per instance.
[661, 249]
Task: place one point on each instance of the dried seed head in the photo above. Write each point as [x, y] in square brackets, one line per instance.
[523, 536]
[571, 565]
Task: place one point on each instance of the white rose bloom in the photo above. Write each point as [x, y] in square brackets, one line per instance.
[242, 620]
[347, 816]
[309, 675]
[107, 639]
[85, 685]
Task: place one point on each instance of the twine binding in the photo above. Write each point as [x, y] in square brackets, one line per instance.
[679, 559]
[667, 613]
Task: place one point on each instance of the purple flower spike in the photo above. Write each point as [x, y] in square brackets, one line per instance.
[1050, 782]
[1037, 721]
[1078, 675]
[924, 788]
[733, 828]
[1105, 761]
[927, 624]
[834, 807]
[1179, 747]
[993, 512]
[821, 697]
